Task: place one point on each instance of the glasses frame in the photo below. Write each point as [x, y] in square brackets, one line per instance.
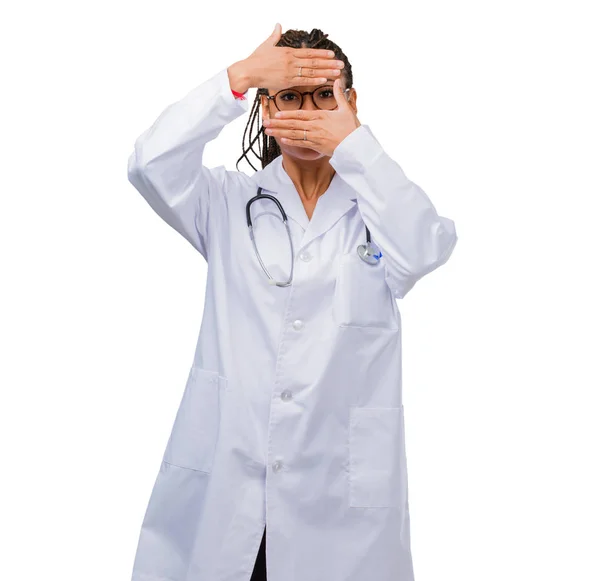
[302, 94]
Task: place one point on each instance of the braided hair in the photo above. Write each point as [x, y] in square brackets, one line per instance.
[294, 39]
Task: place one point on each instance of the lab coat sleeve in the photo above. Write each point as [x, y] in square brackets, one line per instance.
[414, 240]
[166, 163]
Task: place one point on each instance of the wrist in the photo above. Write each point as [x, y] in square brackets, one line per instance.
[239, 80]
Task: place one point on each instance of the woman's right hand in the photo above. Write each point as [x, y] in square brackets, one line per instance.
[277, 67]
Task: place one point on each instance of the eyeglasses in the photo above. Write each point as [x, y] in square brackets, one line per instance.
[291, 100]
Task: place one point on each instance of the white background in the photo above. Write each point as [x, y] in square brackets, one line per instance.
[491, 107]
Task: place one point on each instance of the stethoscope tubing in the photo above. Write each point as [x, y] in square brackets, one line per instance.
[259, 195]
[272, 281]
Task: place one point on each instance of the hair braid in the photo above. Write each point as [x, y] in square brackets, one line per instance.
[268, 150]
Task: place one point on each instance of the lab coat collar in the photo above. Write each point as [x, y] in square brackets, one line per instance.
[337, 200]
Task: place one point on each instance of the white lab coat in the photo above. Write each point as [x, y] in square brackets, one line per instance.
[292, 414]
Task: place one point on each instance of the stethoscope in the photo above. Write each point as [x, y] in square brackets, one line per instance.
[368, 252]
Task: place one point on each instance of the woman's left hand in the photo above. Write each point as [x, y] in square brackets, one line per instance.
[325, 129]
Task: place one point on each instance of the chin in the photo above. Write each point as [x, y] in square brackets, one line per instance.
[301, 152]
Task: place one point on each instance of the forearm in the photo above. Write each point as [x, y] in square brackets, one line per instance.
[413, 237]
[166, 164]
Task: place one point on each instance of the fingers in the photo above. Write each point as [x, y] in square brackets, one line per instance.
[316, 71]
[286, 133]
[308, 81]
[300, 121]
[321, 68]
[316, 63]
[313, 53]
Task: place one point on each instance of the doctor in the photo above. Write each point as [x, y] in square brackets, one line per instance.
[290, 433]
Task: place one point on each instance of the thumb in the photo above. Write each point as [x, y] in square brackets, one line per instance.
[275, 35]
[339, 94]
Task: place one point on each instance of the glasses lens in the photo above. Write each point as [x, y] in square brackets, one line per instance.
[289, 100]
[324, 98]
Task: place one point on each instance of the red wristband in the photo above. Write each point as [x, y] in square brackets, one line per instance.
[238, 95]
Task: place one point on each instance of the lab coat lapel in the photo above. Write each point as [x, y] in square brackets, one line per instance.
[331, 206]
[276, 182]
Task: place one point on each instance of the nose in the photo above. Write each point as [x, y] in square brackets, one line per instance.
[308, 104]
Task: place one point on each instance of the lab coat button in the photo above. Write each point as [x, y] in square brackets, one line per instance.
[286, 395]
[298, 325]
[277, 465]
[305, 256]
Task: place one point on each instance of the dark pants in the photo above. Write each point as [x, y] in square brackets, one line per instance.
[260, 567]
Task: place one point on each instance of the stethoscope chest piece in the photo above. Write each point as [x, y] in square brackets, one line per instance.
[369, 253]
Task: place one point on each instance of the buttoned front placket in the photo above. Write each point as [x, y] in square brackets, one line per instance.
[296, 324]
[305, 324]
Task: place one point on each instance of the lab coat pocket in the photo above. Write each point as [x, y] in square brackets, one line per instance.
[362, 297]
[377, 475]
[196, 428]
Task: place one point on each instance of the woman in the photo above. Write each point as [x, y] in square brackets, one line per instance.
[290, 432]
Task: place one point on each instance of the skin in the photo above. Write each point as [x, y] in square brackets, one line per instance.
[307, 162]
